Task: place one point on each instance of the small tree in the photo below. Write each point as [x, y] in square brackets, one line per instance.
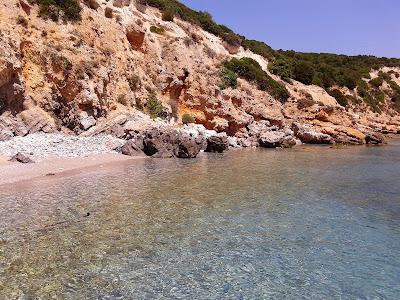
[155, 107]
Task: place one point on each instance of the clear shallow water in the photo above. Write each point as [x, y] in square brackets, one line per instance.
[309, 223]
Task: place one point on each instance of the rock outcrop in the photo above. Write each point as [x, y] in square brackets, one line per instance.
[124, 71]
[276, 139]
[217, 143]
[306, 134]
[167, 143]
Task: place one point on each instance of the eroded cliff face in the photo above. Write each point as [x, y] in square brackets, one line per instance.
[96, 75]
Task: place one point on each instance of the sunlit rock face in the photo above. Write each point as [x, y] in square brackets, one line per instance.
[78, 77]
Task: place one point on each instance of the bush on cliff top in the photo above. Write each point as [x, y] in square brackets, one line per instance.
[68, 10]
[203, 19]
[281, 67]
[250, 70]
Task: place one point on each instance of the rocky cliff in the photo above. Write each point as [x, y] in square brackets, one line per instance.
[123, 69]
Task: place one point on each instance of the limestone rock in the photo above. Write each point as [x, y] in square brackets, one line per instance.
[19, 157]
[93, 4]
[308, 135]
[135, 36]
[121, 3]
[375, 138]
[86, 121]
[131, 148]
[276, 139]
[168, 142]
[217, 143]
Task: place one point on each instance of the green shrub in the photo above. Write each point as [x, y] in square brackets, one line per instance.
[68, 10]
[384, 76]
[203, 19]
[340, 98]
[376, 82]
[282, 68]
[232, 39]
[303, 72]
[155, 108]
[250, 70]
[323, 69]
[318, 79]
[187, 119]
[259, 48]
[168, 15]
[373, 98]
[228, 78]
[157, 30]
[396, 101]
[379, 96]
[395, 87]
[350, 80]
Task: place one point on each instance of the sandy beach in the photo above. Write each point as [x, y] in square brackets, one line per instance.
[14, 172]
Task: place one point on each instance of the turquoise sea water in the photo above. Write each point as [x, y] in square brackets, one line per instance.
[307, 223]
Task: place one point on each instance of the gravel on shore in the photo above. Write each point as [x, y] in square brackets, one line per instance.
[43, 145]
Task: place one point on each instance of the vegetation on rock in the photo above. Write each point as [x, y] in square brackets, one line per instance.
[68, 10]
[228, 78]
[168, 16]
[154, 107]
[187, 118]
[340, 98]
[157, 30]
[322, 69]
[282, 69]
[250, 70]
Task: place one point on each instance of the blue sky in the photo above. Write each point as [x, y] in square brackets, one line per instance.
[337, 26]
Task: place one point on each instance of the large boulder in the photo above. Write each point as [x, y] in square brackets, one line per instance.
[121, 3]
[276, 139]
[93, 4]
[168, 142]
[308, 135]
[217, 143]
[11, 126]
[5, 133]
[86, 121]
[131, 148]
[374, 138]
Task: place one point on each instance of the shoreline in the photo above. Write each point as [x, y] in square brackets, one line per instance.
[51, 168]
